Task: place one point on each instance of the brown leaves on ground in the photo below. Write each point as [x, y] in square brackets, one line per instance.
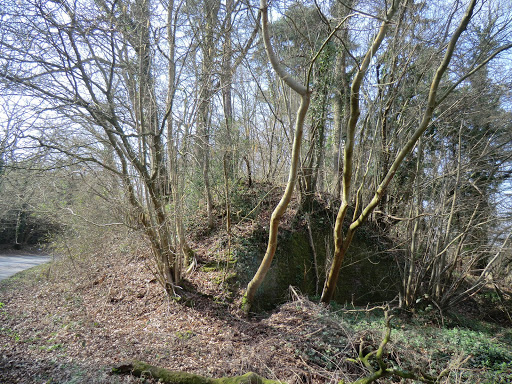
[70, 321]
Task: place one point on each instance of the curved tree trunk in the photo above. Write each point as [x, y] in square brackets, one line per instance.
[280, 209]
[342, 244]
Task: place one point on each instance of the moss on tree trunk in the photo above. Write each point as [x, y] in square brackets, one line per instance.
[141, 369]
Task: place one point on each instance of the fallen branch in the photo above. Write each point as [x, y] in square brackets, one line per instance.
[373, 361]
[141, 369]
[377, 358]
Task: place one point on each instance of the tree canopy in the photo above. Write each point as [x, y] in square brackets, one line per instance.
[400, 109]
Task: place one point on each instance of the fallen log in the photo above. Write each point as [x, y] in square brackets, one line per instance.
[141, 369]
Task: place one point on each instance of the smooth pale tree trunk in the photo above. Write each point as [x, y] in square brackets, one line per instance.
[305, 94]
[342, 244]
[280, 209]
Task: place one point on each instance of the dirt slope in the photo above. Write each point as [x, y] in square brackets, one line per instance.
[70, 323]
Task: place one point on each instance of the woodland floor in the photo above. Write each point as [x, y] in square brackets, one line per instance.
[72, 320]
[69, 323]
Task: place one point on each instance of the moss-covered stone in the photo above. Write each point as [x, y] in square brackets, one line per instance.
[215, 266]
[369, 274]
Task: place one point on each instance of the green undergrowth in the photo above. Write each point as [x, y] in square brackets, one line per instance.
[473, 351]
[31, 276]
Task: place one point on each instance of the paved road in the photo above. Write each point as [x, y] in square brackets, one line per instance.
[11, 264]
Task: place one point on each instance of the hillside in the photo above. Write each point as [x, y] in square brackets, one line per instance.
[71, 321]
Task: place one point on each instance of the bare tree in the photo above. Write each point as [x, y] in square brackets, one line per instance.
[93, 67]
[304, 93]
[343, 241]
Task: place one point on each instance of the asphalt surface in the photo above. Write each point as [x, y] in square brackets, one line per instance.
[11, 264]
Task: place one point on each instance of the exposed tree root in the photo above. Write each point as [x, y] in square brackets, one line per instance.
[141, 369]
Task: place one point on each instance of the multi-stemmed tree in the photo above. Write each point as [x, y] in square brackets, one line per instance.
[169, 96]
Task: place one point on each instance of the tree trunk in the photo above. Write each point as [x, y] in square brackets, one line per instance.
[226, 89]
[141, 369]
[341, 245]
[211, 9]
[341, 100]
[280, 209]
